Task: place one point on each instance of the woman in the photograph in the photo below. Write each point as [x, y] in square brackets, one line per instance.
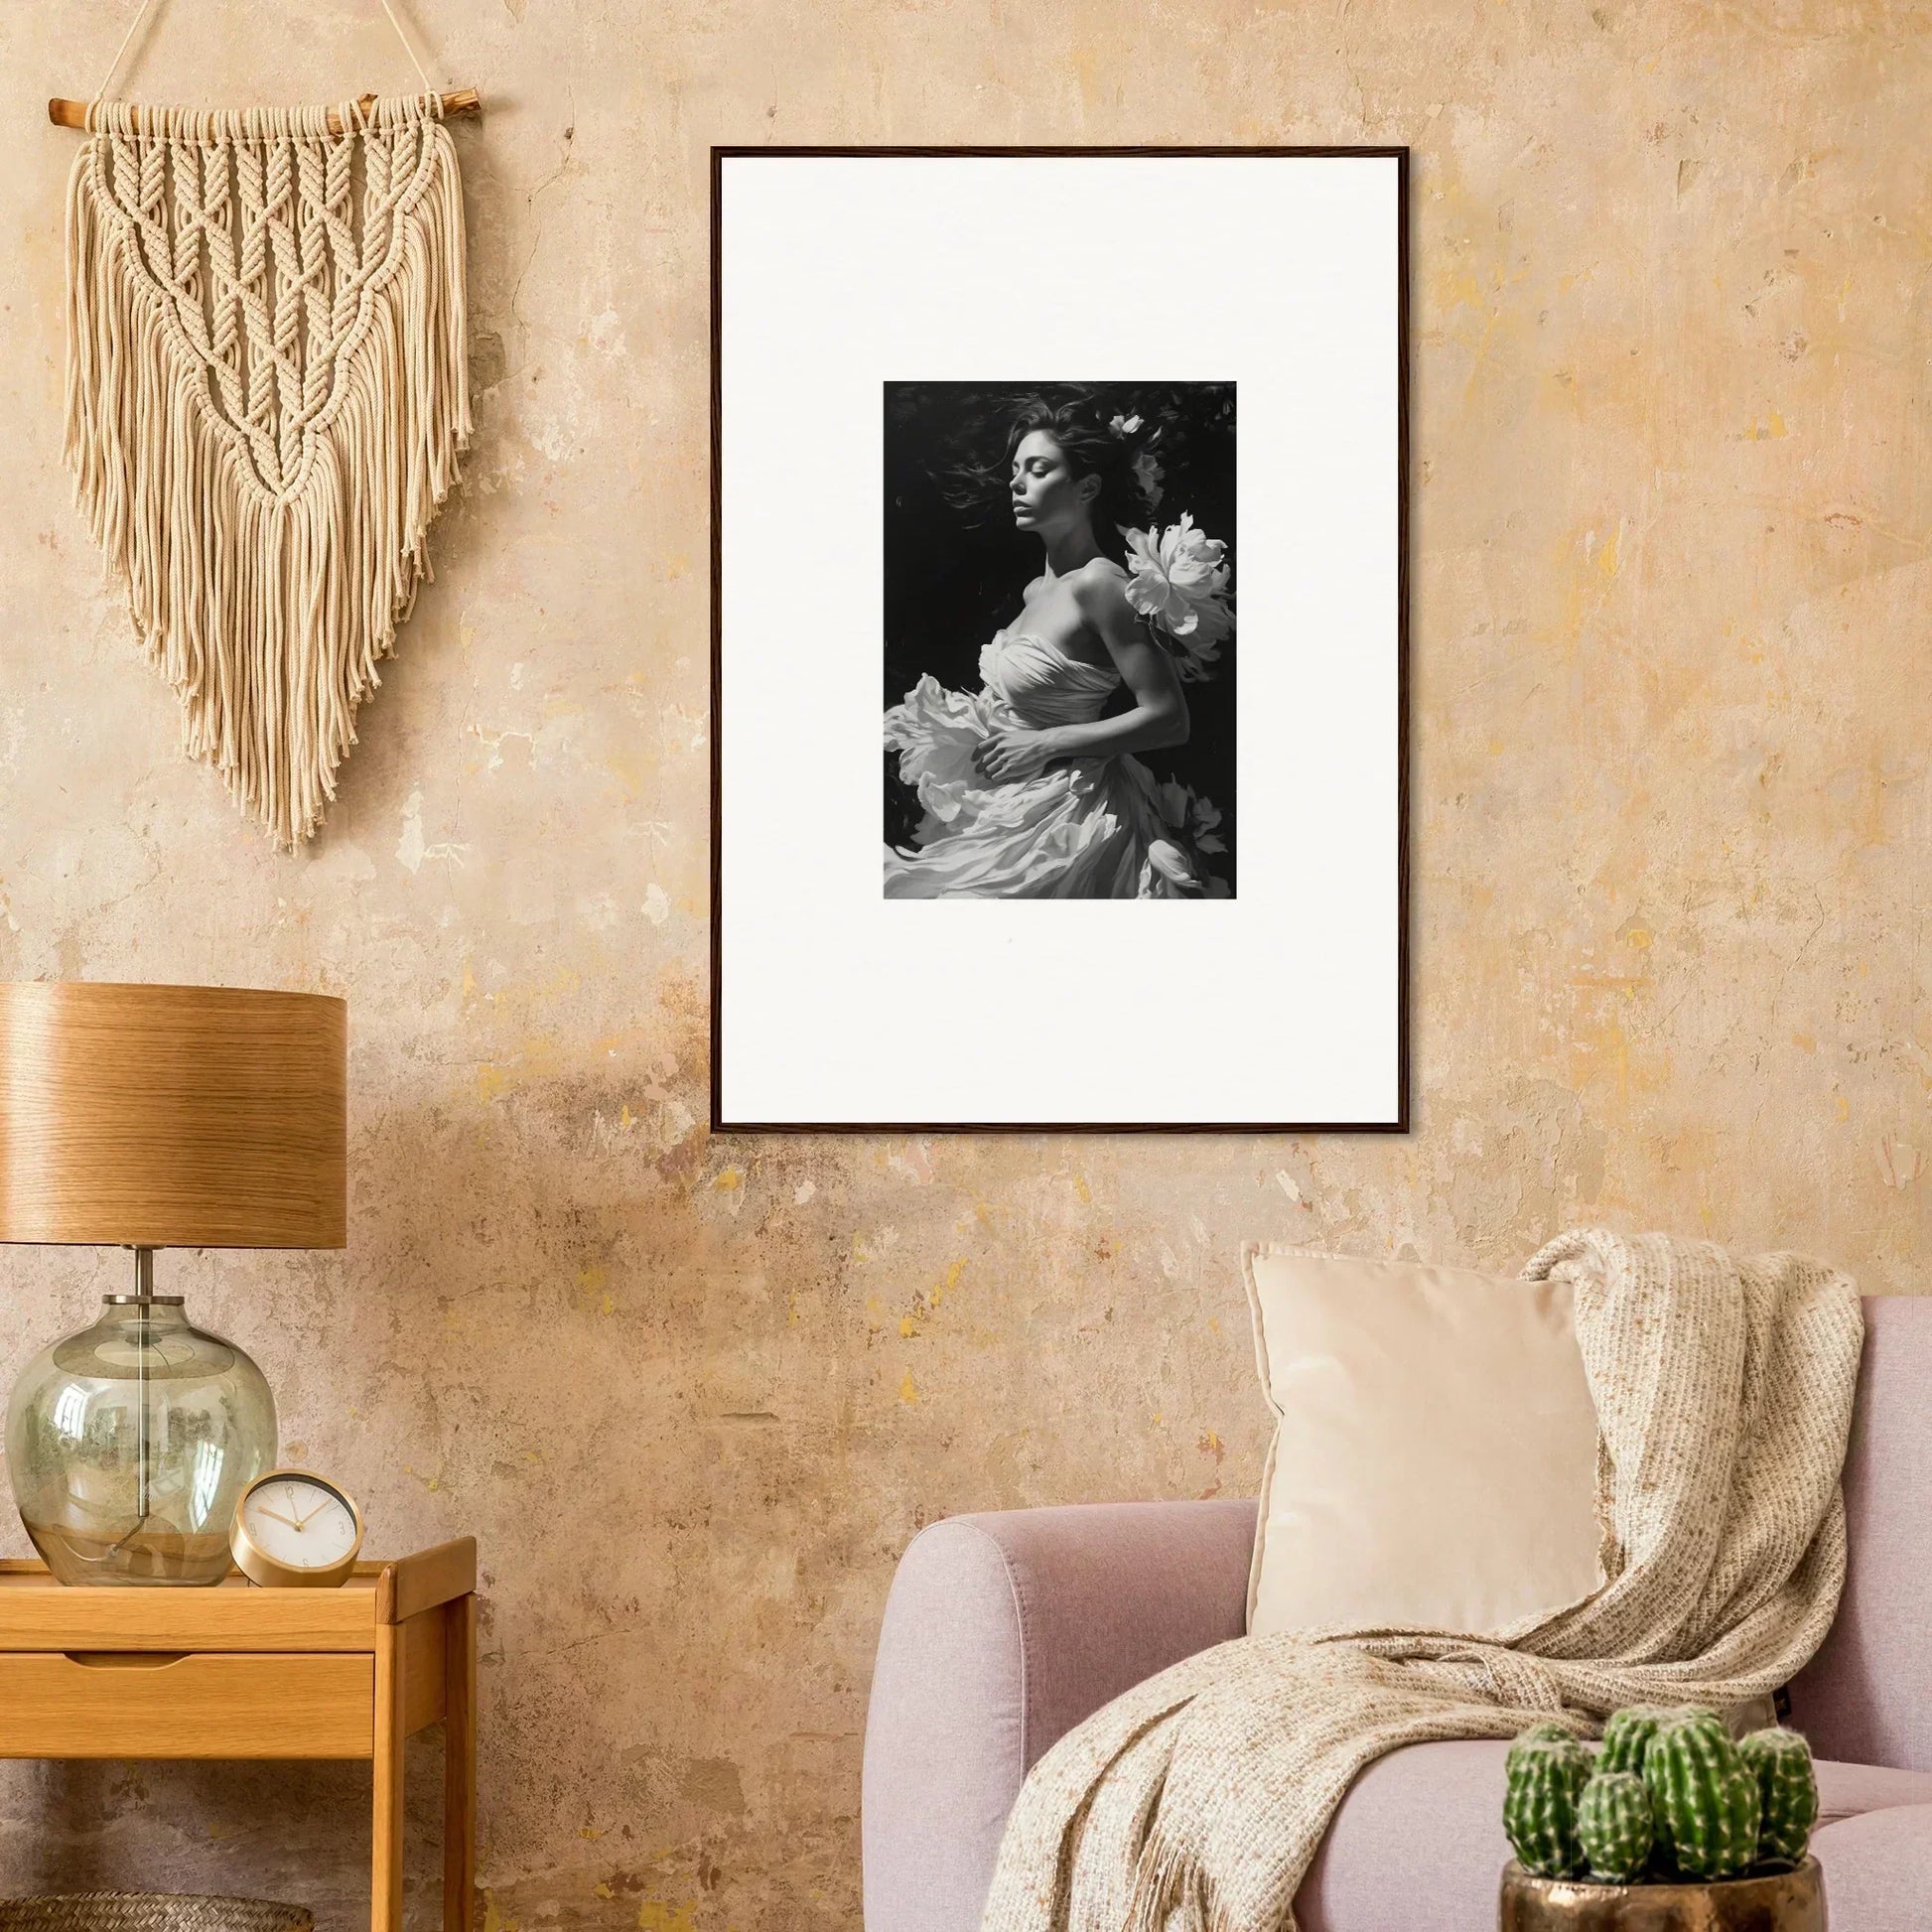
[1026, 790]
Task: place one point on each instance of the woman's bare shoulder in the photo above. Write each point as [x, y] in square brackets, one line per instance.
[1100, 587]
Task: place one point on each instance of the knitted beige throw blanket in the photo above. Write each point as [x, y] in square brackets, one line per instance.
[1723, 1388]
[267, 391]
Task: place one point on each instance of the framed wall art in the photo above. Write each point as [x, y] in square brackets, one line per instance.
[1058, 614]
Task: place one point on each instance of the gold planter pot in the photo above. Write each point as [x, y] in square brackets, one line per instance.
[1781, 1901]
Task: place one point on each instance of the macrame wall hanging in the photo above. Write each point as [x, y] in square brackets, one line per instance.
[267, 393]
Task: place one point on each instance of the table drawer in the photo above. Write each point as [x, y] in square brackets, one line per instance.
[206, 1703]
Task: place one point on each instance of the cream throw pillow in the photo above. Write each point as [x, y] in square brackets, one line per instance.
[1433, 1466]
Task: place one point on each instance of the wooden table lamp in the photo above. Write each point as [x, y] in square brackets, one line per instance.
[157, 1117]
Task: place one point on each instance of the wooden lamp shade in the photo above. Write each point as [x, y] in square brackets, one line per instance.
[173, 1116]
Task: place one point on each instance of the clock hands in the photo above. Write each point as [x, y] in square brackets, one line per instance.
[296, 1522]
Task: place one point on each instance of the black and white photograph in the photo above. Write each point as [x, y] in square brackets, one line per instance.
[1060, 639]
[1058, 555]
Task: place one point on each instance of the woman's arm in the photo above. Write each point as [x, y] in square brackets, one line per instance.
[1157, 718]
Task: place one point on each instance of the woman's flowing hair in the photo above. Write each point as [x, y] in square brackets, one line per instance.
[978, 485]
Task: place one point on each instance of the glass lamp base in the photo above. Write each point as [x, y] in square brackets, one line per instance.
[79, 1557]
[130, 1444]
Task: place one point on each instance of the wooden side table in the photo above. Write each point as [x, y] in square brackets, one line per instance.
[240, 1672]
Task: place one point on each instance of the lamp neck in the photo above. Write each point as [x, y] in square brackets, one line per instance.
[144, 1304]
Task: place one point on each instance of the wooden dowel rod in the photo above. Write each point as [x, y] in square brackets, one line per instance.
[74, 113]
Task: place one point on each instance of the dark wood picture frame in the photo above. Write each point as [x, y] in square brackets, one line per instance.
[1401, 1123]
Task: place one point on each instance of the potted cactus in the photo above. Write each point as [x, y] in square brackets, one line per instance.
[1670, 1826]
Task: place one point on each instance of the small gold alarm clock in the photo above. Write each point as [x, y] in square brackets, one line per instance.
[296, 1529]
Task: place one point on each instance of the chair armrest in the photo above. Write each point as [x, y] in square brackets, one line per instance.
[1003, 1632]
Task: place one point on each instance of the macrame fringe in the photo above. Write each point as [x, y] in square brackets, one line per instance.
[268, 608]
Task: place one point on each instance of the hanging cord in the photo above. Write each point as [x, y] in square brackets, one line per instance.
[141, 14]
[120, 54]
[422, 74]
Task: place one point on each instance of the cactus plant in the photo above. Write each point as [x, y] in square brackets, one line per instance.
[1546, 1733]
[1669, 1797]
[1546, 1775]
[1704, 1796]
[1627, 1734]
[1787, 1791]
[1614, 1827]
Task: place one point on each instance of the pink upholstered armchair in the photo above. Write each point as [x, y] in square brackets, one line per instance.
[1002, 1631]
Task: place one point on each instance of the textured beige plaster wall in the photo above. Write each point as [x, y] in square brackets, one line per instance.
[1672, 505]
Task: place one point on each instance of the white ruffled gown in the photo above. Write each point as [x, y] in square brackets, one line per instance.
[1083, 828]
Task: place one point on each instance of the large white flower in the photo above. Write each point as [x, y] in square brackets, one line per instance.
[1177, 580]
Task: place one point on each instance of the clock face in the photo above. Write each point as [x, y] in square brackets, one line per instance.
[299, 1522]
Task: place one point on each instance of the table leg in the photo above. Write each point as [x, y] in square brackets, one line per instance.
[459, 1763]
[385, 1855]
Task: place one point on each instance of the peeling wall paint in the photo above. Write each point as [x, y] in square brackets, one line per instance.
[1672, 501]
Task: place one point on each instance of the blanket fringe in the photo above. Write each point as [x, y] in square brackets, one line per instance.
[1171, 1893]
